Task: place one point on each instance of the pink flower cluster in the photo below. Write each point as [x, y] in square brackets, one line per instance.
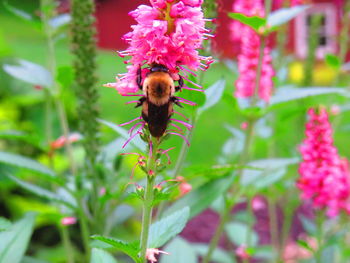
[168, 32]
[248, 58]
[324, 176]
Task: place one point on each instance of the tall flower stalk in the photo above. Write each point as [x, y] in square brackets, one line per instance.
[52, 98]
[164, 40]
[84, 50]
[254, 82]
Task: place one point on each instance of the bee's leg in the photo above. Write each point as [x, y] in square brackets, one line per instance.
[139, 78]
[176, 101]
[181, 84]
[140, 102]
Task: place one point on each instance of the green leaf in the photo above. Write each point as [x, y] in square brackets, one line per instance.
[30, 72]
[14, 241]
[333, 61]
[4, 224]
[213, 95]
[22, 136]
[284, 15]
[168, 227]
[218, 256]
[136, 142]
[255, 22]
[201, 198]
[18, 12]
[267, 172]
[179, 251]
[289, 94]
[41, 191]
[101, 256]
[304, 244]
[27, 259]
[65, 76]
[130, 249]
[26, 163]
[238, 233]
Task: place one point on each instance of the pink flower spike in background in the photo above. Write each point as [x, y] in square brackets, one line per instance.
[324, 176]
[248, 59]
[242, 253]
[69, 220]
[167, 33]
[152, 252]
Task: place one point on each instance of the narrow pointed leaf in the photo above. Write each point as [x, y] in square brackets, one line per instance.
[14, 240]
[255, 22]
[29, 164]
[213, 95]
[37, 190]
[30, 72]
[289, 94]
[284, 15]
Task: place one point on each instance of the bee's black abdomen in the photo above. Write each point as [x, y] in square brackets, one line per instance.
[157, 118]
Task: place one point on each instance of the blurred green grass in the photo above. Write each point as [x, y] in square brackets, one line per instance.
[209, 135]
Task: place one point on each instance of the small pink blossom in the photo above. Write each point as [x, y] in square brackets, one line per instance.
[69, 220]
[258, 203]
[38, 87]
[335, 110]
[293, 253]
[62, 140]
[184, 186]
[324, 176]
[248, 59]
[242, 253]
[244, 125]
[152, 252]
[168, 33]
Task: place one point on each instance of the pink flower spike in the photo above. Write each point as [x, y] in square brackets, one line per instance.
[126, 123]
[152, 252]
[69, 220]
[183, 137]
[324, 176]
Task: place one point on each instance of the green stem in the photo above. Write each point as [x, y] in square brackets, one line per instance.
[273, 223]
[320, 237]
[84, 230]
[67, 244]
[237, 193]
[224, 217]
[148, 199]
[344, 39]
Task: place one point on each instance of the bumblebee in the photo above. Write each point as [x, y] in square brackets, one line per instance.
[157, 103]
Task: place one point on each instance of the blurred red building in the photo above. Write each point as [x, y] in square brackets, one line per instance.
[113, 22]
